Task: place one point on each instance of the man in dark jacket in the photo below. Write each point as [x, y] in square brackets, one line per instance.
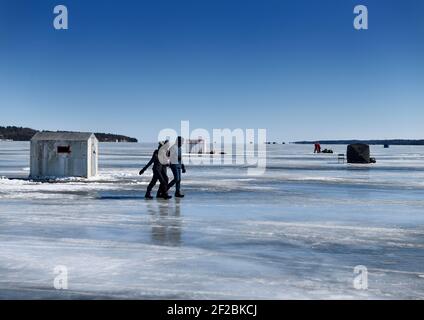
[159, 173]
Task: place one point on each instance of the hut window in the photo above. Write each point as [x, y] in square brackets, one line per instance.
[64, 149]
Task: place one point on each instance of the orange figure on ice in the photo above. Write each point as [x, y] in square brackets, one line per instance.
[317, 148]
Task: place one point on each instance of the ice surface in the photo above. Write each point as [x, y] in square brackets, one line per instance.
[295, 232]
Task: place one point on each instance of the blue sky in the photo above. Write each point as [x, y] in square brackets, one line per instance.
[297, 68]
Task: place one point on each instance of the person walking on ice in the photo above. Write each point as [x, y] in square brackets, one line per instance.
[177, 166]
[159, 172]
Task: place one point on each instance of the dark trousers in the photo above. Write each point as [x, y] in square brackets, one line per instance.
[159, 174]
[176, 171]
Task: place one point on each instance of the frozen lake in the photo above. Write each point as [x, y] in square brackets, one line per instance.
[296, 232]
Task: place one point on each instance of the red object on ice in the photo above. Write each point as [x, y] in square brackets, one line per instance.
[317, 148]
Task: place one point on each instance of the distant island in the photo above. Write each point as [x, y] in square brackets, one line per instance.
[25, 134]
[393, 142]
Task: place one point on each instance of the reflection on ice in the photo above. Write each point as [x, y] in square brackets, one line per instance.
[166, 223]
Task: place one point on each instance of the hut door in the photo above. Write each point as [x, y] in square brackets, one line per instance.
[93, 158]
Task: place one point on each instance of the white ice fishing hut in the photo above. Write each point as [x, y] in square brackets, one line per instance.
[64, 154]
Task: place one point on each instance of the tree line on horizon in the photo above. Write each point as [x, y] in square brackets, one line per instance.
[25, 134]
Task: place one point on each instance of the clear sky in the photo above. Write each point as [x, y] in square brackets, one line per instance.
[297, 68]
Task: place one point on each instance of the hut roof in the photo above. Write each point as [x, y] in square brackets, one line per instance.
[62, 135]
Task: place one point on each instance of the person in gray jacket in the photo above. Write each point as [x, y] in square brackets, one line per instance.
[177, 166]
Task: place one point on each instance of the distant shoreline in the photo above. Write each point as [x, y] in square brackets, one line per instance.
[12, 133]
[393, 142]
